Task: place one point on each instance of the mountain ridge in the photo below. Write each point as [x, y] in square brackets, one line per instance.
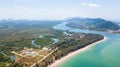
[92, 23]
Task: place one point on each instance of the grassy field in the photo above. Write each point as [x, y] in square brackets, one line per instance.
[16, 36]
[43, 41]
[23, 38]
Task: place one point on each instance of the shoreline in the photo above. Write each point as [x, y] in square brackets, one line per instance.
[71, 54]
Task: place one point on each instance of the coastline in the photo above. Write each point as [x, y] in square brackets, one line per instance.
[58, 62]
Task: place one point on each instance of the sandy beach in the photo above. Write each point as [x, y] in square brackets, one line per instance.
[58, 62]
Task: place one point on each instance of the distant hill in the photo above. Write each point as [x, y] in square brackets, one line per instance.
[18, 24]
[116, 22]
[92, 23]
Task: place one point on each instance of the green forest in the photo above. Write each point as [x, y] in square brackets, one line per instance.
[69, 45]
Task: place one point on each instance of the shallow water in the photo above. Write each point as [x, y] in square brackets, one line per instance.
[104, 54]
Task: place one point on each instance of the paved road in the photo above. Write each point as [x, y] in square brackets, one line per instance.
[44, 57]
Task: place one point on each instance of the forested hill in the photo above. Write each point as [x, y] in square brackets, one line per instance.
[18, 24]
[92, 23]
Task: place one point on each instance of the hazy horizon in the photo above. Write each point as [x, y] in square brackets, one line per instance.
[59, 9]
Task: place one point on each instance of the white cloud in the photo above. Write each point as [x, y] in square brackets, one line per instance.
[90, 4]
[83, 4]
[93, 5]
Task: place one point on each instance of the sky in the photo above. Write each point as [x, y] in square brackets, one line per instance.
[59, 9]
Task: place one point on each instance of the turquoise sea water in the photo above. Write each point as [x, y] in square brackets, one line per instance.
[104, 54]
